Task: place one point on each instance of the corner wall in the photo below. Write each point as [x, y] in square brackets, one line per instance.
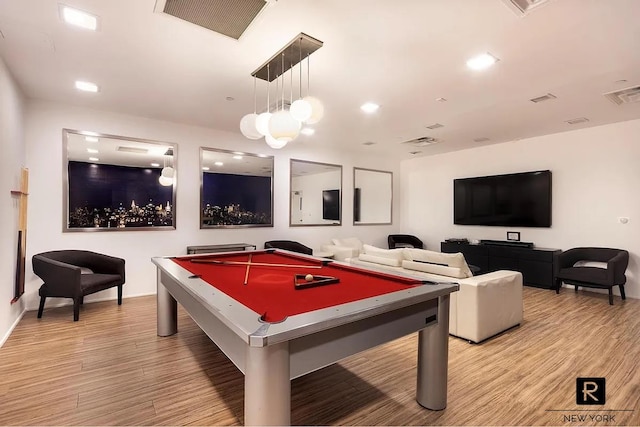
[595, 181]
[45, 122]
[11, 162]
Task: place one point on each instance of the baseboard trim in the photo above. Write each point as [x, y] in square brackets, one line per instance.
[68, 301]
[11, 328]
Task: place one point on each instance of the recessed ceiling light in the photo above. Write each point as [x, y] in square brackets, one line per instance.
[307, 131]
[94, 159]
[205, 168]
[237, 157]
[369, 107]
[155, 165]
[263, 155]
[92, 151]
[218, 163]
[86, 86]
[238, 153]
[79, 18]
[482, 61]
[91, 139]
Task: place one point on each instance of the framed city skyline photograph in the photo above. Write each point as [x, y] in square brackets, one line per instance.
[236, 189]
[116, 183]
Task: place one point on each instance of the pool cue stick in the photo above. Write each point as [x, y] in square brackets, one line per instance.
[246, 275]
[261, 264]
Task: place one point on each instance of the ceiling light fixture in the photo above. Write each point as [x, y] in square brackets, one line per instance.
[237, 157]
[206, 168]
[168, 173]
[369, 107]
[79, 18]
[482, 61]
[86, 86]
[284, 125]
[92, 151]
[219, 164]
[155, 165]
[94, 159]
[307, 131]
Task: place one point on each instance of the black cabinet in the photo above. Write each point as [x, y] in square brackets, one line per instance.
[535, 264]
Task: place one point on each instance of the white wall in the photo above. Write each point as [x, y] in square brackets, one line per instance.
[596, 180]
[12, 160]
[44, 124]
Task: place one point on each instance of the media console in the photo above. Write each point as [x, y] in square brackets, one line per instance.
[535, 264]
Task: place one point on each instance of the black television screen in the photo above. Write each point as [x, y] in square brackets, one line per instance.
[514, 200]
[331, 205]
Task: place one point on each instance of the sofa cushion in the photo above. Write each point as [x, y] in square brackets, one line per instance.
[431, 262]
[439, 269]
[350, 242]
[392, 257]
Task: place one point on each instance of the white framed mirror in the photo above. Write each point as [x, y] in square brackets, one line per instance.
[315, 193]
[117, 183]
[372, 197]
[236, 189]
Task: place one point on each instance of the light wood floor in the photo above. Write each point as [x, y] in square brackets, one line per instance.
[110, 368]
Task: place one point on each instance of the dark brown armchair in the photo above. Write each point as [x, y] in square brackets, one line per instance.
[566, 270]
[404, 241]
[288, 245]
[76, 273]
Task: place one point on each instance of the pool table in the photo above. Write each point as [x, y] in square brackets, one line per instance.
[275, 323]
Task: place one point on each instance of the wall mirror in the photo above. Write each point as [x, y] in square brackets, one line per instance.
[236, 189]
[116, 183]
[372, 197]
[316, 193]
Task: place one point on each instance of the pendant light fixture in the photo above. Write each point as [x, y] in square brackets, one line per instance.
[248, 122]
[283, 127]
[168, 173]
[284, 124]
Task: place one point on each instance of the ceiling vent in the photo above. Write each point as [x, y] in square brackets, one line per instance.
[624, 96]
[542, 98]
[435, 126]
[368, 143]
[522, 7]
[578, 120]
[135, 150]
[481, 139]
[421, 142]
[228, 17]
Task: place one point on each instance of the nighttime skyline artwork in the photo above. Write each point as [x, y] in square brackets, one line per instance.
[229, 199]
[116, 197]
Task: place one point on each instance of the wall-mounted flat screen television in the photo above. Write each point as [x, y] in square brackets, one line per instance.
[513, 200]
[331, 205]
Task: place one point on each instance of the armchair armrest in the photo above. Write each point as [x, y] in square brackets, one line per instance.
[616, 268]
[59, 277]
[105, 264]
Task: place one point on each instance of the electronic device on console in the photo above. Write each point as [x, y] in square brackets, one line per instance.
[457, 240]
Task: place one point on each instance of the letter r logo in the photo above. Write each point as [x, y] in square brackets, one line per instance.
[590, 391]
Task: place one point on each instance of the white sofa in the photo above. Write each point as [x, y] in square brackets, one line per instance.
[485, 305]
[344, 249]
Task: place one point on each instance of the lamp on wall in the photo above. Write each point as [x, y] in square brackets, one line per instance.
[284, 125]
[168, 173]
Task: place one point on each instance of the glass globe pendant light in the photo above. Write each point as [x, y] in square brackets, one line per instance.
[317, 109]
[262, 121]
[283, 127]
[248, 122]
[300, 109]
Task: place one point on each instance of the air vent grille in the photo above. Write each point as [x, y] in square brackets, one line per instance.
[624, 96]
[228, 17]
[481, 139]
[578, 120]
[135, 150]
[523, 6]
[435, 126]
[543, 98]
[421, 142]
[368, 143]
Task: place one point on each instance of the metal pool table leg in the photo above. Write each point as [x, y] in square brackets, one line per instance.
[167, 310]
[267, 385]
[433, 357]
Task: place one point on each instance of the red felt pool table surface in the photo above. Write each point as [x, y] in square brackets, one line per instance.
[270, 290]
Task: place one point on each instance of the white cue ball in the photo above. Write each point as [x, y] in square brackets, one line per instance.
[308, 277]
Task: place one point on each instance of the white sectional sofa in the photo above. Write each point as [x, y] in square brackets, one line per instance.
[485, 305]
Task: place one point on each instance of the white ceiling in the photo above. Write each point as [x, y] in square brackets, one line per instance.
[400, 54]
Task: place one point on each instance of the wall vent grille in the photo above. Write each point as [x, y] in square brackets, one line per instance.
[577, 121]
[522, 7]
[435, 126]
[421, 142]
[543, 98]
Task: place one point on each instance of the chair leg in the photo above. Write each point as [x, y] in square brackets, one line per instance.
[558, 285]
[76, 309]
[120, 295]
[622, 292]
[611, 295]
[575, 288]
[82, 300]
[41, 308]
